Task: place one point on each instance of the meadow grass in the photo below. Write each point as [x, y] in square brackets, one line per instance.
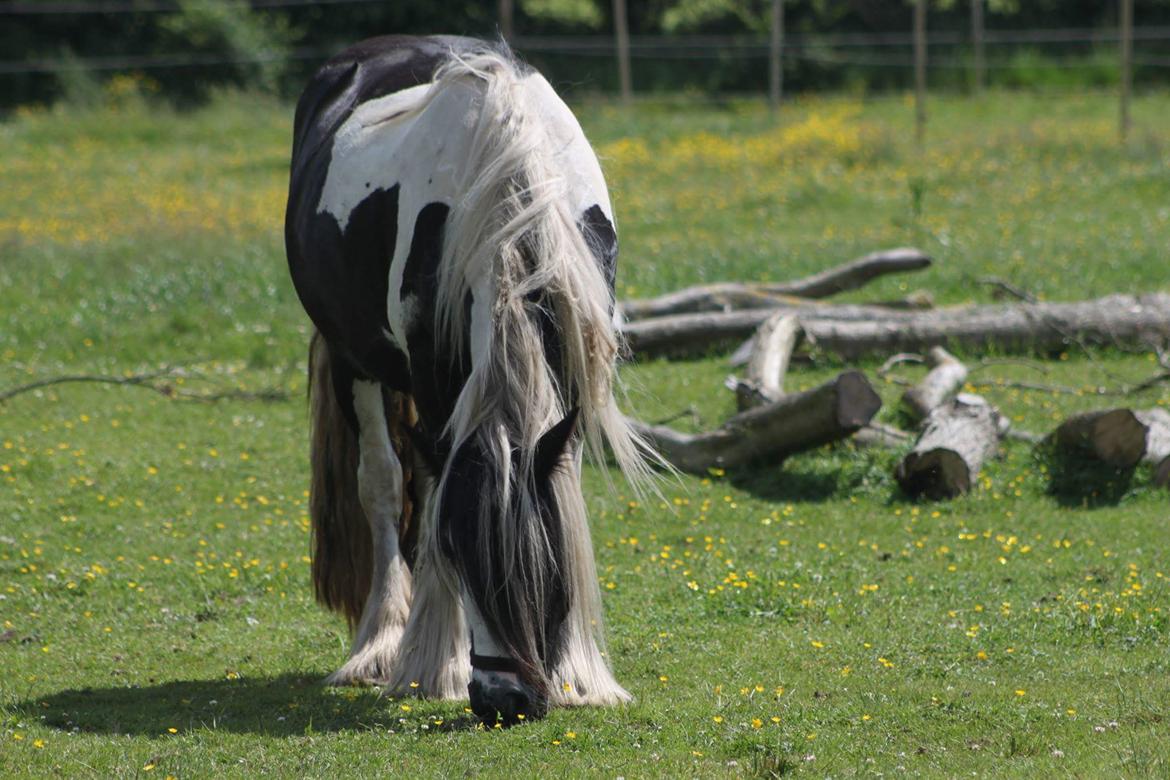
[797, 618]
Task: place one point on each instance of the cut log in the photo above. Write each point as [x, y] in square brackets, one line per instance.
[947, 374]
[728, 296]
[1114, 436]
[1157, 422]
[870, 330]
[957, 438]
[796, 422]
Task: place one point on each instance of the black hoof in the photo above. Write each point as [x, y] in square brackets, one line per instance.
[504, 702]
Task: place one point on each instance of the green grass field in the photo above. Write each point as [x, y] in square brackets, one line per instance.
[804, 618]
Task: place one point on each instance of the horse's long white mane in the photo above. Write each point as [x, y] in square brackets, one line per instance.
[515, 222]
[512, 232]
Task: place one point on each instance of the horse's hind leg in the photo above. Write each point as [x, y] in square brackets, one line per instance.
[380, 490]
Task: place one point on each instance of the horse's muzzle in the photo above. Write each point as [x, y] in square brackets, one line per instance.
[504, 699]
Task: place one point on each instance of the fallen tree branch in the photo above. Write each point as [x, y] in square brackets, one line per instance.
[796, 422]
[138, 380]
[1114, 320]
[881, 435]
[1123, 391]
[1028, 437]
[767, 365]
[728, 296]
[149, 381]
[944, 379]
[1005, 287]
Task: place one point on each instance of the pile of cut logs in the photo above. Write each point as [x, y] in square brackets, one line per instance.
[957, 432]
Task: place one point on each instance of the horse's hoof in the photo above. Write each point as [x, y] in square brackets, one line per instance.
[504, 700]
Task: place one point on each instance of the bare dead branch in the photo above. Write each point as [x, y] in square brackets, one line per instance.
[947, 374]
[1005, 287]
[153, 381]
[880, 435]
[897, 360]
[729, 296]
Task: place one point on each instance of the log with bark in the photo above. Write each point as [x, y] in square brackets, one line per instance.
[727, 296]
[957, 438]
[859, 331]
[947, 374]
[795, 422]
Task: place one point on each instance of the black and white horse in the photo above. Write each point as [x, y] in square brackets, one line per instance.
[450, 236]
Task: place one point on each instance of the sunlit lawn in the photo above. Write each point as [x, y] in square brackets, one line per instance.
[804, 617]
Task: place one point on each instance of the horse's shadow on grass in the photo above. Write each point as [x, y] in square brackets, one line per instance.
[281, 706]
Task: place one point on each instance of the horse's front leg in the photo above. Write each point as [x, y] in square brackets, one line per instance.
[380, 486]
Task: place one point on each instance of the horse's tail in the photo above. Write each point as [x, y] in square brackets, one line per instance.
[342, 546]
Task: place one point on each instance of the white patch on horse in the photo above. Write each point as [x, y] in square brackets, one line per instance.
[484, 643]
[482, 639]
[365, 152]
[577, 161]
[389, 141]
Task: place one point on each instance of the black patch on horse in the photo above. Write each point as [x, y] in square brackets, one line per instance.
[437, 376]
[602, 240]
[344, 287]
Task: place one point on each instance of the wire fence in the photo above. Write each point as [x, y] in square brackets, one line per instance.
[950, 54]
[50, 8]
[844, 49]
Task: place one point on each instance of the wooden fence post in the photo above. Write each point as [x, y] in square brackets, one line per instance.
[979, 63]
[622, 31]
[506, 29]
[920, 71]
[775, 51]
[1126, 65]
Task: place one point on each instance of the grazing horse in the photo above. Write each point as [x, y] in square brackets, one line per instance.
[450, 235]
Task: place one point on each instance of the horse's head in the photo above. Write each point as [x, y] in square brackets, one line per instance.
[502, 530]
